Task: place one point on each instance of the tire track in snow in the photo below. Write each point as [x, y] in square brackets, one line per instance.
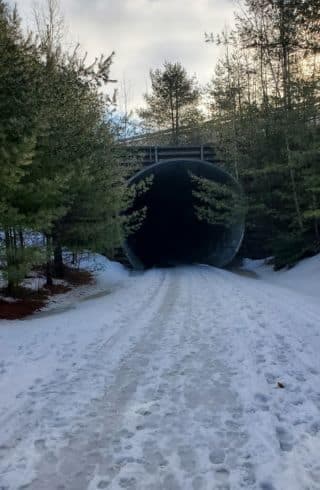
[184, 423]
[188, 398]
[97, 441]
[46, 425]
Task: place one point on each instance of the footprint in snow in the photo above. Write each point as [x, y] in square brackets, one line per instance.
[217, 456]
[40, 444]
[285, 439]
[266, 486]
[103, 484]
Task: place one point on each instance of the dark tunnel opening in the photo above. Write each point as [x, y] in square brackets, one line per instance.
[171, 233]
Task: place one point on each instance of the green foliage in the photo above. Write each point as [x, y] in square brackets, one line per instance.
[290, 248]
[173, 102]
[133, 218]
[264, 101]
[217, 203]
[60, 172]
[19, 262]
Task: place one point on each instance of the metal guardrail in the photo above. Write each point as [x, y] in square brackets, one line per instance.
[149, 155]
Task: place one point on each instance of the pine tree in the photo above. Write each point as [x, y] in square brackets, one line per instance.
[174, 94]
[19, 72]
[76, 163]
[217, 203]
[265, 108]
[60, 170]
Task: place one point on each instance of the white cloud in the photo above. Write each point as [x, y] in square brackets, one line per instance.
[144, 33]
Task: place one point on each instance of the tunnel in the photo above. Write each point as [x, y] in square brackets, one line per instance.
[171, 233]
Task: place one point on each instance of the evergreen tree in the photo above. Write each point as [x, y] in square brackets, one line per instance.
[19, 76]
[60, 170]
[174, 96]
[265, 110]
[217, 203]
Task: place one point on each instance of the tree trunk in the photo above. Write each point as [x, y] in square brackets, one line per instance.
[9, 259]
[172, 117]
[294, 188]
[286, 76]
[49, 281]
[21, 239]
[316, 220]
[177, 117]
[58, 262]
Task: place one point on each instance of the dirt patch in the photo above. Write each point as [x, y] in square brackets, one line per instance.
[20, 308]
[78, 277]
[27, 301]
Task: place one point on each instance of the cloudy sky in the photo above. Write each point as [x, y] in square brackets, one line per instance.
[144, 33]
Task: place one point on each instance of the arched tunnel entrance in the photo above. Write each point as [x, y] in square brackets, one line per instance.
[171, 233]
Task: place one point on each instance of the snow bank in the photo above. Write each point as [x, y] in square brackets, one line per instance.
[108, 276]
[106, 272]
[303, 278]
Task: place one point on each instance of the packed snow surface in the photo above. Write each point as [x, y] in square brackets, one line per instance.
[168, 382]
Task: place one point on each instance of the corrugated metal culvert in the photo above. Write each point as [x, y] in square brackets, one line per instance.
[171, 233]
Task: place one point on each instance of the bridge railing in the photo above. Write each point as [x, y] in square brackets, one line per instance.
[149, 155]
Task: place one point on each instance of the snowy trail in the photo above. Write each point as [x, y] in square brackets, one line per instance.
[168, 383]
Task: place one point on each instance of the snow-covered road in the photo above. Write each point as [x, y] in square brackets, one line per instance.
[170, 383]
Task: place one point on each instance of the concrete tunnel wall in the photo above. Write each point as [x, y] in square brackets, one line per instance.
[171, 234]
